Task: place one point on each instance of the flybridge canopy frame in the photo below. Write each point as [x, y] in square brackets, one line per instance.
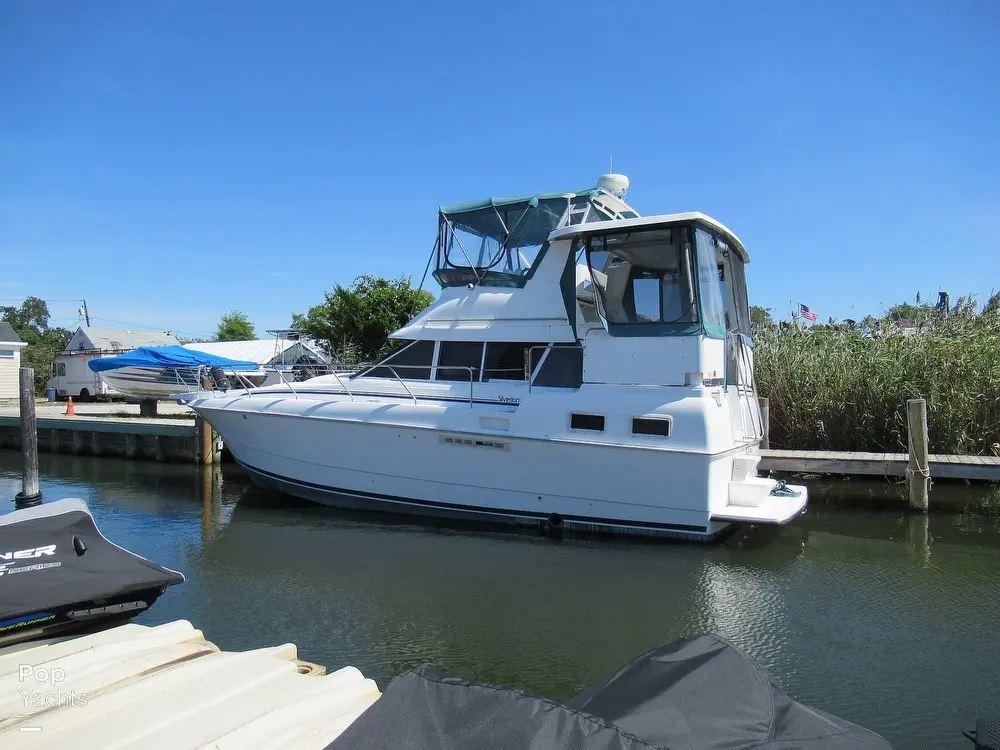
[500, 241]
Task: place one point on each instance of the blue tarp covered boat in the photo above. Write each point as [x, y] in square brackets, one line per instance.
[159, 372]
[169, 356]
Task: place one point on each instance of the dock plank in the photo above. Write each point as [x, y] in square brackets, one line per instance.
[856, 463]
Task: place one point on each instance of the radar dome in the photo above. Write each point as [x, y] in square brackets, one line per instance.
[616, 184]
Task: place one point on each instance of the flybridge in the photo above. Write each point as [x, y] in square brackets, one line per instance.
[499, 241]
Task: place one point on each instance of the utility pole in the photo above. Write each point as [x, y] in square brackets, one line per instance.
[86, 313]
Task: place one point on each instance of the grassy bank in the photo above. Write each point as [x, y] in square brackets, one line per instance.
[847, 389]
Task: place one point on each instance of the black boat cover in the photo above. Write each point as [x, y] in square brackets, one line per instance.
[52, 556]
[696, 693]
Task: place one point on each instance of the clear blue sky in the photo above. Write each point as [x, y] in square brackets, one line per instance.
[172, 160]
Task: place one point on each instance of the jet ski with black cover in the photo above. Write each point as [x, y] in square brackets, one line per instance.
[698, 693]
[60, 576]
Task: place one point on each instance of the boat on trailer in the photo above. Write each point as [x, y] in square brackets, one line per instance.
[584, 367]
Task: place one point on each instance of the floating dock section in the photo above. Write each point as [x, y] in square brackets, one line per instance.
[167, 688]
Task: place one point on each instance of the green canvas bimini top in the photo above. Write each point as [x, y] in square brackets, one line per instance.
[529, 217]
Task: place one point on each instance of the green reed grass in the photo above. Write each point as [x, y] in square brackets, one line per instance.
[833, 389]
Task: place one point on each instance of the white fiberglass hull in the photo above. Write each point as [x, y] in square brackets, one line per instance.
[432, 457]
[151, 382]
[158, 383]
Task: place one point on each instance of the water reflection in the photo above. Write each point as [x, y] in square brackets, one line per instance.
[878, 615]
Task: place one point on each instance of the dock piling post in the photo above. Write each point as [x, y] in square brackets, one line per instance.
[147, 407]
[765, 423]
[917, 469]
[30, 493]
[204, 447]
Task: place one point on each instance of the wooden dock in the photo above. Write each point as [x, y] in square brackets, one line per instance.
[846, 463]
[175, 440]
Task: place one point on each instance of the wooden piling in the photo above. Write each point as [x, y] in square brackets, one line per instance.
[205, 445]
[917, 469]
[147, 407]
[31, 493]
[765, 423]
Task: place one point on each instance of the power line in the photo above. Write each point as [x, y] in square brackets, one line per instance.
[151, 328]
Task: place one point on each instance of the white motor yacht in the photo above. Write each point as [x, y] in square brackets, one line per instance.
[584, 367]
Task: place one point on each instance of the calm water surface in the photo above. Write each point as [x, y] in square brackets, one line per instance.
[886, 619]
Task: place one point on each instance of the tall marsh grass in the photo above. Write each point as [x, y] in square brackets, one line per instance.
[847, 389]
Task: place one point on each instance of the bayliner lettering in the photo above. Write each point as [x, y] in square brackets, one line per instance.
[32, 553]
[28, 554]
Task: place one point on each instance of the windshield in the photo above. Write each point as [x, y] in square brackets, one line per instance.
[657, 281]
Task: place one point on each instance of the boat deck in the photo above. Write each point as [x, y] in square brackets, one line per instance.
[845, 463]
[167, 687]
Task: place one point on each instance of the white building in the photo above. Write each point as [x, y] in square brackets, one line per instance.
[265, 352]
[70, 374]
[10, 361]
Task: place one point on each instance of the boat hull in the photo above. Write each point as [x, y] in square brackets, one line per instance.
[151, 382]
[349, 461]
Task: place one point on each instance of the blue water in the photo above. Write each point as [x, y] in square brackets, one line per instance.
[886, 619]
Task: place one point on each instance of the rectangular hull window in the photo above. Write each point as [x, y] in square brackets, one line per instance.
[653, 427]
[593, 422]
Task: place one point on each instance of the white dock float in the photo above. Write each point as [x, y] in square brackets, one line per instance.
[167, 687]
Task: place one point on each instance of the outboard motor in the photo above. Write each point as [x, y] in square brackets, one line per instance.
[221, 381]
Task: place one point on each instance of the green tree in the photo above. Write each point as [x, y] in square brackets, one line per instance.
[235, 326]
[760, 316]
[31, 322]
[358, 319]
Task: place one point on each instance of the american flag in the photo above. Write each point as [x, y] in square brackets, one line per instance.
[806, 313]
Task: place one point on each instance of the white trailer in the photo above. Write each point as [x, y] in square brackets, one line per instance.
[72, 377]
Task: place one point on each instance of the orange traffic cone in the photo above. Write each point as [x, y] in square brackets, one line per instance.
[70, 411]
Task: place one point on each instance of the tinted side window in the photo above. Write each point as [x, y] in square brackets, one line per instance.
[507, 361]
[455, 356]
[561, 368]
[412, 361]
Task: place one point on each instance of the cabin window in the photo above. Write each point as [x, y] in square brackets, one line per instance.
[455, 357]
[713, 304]
[592, 422]
[657, 427]
[558, 366]
[643, 278]
[507, 361]
[61, 369]
[412, 361]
